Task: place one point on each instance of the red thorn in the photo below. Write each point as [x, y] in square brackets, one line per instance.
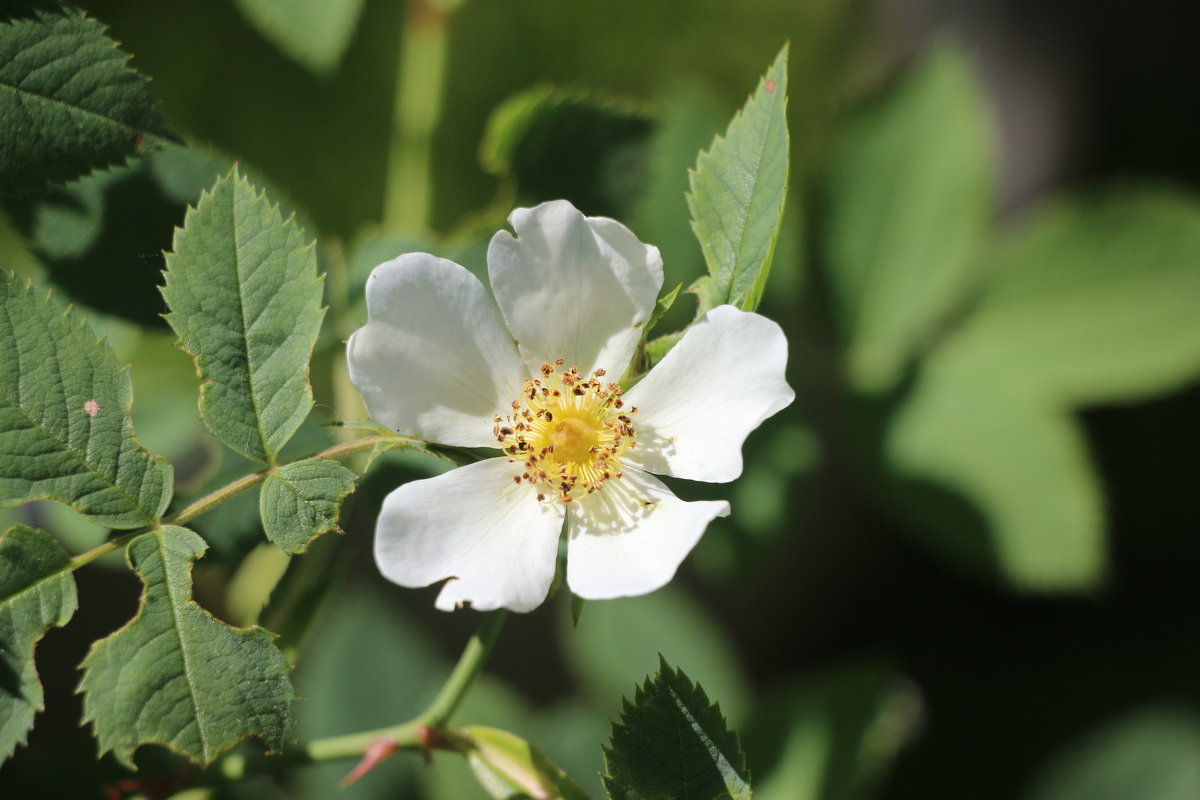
[376, 751]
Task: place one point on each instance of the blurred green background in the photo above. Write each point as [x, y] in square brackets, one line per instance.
[960, 565]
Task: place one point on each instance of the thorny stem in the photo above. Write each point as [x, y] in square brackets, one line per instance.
[405, 735]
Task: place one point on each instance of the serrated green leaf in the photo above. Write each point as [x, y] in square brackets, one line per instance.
[671, 743]
[738, 191]
[175, 675]
[315, 33]
[910, 198]
[65, 432]
[301, 501]
[245, 300]
[37, 592]
[68, 102]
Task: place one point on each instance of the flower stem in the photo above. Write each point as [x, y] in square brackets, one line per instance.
[405, 735]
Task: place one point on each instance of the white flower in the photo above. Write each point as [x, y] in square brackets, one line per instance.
[437, 361]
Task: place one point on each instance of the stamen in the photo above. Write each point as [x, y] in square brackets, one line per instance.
[567, 431]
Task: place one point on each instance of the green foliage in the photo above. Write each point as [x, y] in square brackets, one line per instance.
[101, 238]
[65, 432]
[70, 104]
[37, 592]
[910, 197]
[831, 735]
[1091, 301]
[175, 675]
[314, 32]
[615, 642]
[1094, 299]
[507, 767]
[302, 500]
[246, 302]
[557, 143]
[670, 743]
[737, 194]
[1151, 754]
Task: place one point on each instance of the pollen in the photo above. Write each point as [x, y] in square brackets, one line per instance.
[567, 432]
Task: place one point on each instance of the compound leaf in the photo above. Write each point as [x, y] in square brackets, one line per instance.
[738, 190]
[175, 675]
[245, 300]
[69, 102]
[65, 432]
[37, 592]
[301, 501]
[671, 743]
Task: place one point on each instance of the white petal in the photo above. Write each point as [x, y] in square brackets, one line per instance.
[573, 287]
[490, 536]
[630, 537]
[434, 360]
[698, 405]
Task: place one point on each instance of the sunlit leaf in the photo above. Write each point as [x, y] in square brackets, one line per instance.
[672, 743]
[910, 198]
[37, 592]
[246, 302]
[507, 766]
[65, 432]
[313, 32]
[302, 500]
[70, 104]
[175, 675]
[1092, 301]
[738, 190]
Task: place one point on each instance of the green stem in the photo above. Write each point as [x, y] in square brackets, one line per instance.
[405, 735]
[115, 543]
[214, 499]
[210, 501]
[418, 105]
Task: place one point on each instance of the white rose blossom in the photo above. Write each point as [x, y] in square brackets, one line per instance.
[437, 361]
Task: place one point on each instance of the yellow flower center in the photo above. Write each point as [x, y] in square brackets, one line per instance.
[567, 432]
